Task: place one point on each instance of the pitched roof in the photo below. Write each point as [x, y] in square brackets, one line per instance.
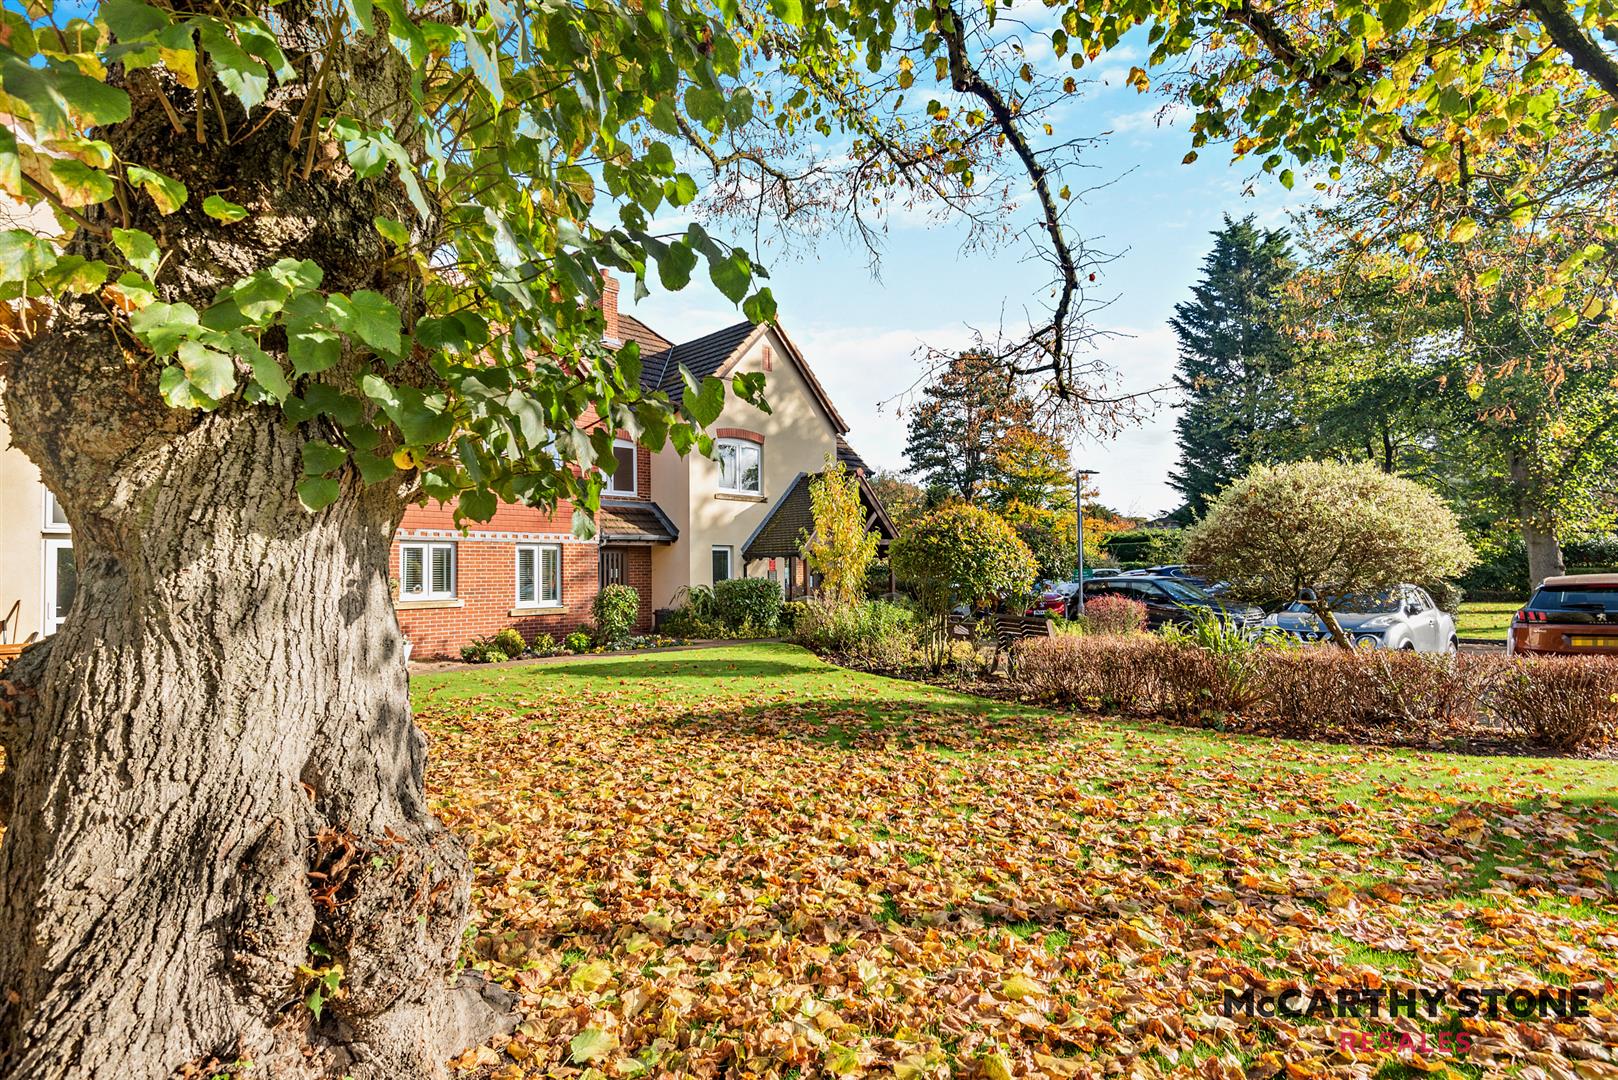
[713, 354]
[851, 457]
[702, 356]
[636, 521]
[649, 340]
[778, 535]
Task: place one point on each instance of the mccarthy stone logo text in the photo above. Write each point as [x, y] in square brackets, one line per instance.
[1492, 1002]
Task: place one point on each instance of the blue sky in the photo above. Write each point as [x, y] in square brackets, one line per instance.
[860, 332]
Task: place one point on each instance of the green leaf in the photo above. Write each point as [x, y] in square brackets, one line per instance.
[24, 255]
[375, 468]
[321, 457]
[675, 264]
[361, 12]
[732, 274]
[168, 193]
[77, 184]
[223, 209]
[485, 67]
[268, 374]
[163, 327]
[238, 72]
[131, 20]
[791, 11]
[211, 372]
[316, 493]
[391, 231]
[60, 98]
[312, 348]
[706, 403]
[140, 249]
[76, 274]
[371, 317]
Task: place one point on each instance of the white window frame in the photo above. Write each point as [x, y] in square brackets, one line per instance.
[738, 446]
[49, 619]
[617, 477]
[538, 600]
[51, 507]
[427, 592]
[730, 562]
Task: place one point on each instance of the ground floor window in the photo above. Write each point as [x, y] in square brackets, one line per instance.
[426, 571]
[61, 582]
[721, 564]
[539, 575]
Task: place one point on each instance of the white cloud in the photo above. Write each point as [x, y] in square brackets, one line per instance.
[1151, 118]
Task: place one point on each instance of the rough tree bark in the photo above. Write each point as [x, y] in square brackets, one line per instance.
[212, 777]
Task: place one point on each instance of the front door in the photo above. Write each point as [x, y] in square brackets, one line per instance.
[612, 567]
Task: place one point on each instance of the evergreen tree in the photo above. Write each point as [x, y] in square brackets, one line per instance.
[1231, 355]
[963, 415]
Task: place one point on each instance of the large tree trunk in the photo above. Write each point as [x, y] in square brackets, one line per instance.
[1538, 524]
[1544, 554]
[212, 797]
[213, 781]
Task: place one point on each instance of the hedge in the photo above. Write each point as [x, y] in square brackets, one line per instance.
[1564, 703]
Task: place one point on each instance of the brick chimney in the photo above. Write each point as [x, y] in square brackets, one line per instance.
[609, 307]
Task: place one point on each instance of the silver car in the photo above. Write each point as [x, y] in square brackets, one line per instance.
[1403, 617]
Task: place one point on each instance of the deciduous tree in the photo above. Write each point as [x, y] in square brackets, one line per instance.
[1318, 531]
[840, 547]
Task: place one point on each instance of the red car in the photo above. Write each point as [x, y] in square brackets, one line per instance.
[1575, 615]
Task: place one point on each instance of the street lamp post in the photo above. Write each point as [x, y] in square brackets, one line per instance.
[1078, 483]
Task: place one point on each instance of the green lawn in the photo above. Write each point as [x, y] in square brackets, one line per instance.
[1485, 619]
[745, 862]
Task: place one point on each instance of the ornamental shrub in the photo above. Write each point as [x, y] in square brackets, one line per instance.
[872, 633]
[510, 641]
[1315, 530]
[615, 608]
[960, 554]
[542, 645]
[748, 606]
[1114, 615]
[577, 642]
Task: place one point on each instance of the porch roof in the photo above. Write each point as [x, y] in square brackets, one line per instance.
[635, 521]
[778, 535]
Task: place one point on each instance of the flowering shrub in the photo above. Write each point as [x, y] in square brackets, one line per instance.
[1114, 615]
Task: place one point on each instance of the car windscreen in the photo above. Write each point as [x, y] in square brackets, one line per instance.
[1579, 598]
[1181, 591]
[1382, 603]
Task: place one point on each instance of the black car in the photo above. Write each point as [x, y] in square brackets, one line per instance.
[1167, 598]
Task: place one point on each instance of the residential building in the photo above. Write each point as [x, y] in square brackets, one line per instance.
[666, 522]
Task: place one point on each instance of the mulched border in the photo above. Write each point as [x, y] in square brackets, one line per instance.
[438, 667]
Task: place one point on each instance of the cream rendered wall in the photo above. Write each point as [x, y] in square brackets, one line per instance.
[798, 437]
[22, 539]
[22, 496]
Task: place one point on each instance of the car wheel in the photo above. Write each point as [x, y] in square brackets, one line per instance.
[1454, 644]
[1409, 646]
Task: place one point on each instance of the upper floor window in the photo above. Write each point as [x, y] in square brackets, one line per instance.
[623, 480]
[55, 519]
[426, 571]
[741, 466]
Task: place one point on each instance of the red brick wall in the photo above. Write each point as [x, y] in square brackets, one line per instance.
[486, 576]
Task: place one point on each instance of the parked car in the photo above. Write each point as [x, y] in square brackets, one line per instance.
[1574, 615]
[1102, 572]
[1403, 617]
[1167, 599]
[1050, 600]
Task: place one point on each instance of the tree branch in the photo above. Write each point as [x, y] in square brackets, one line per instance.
[1586, 55]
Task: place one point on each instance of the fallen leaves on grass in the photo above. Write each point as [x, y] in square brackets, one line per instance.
[752, 884]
